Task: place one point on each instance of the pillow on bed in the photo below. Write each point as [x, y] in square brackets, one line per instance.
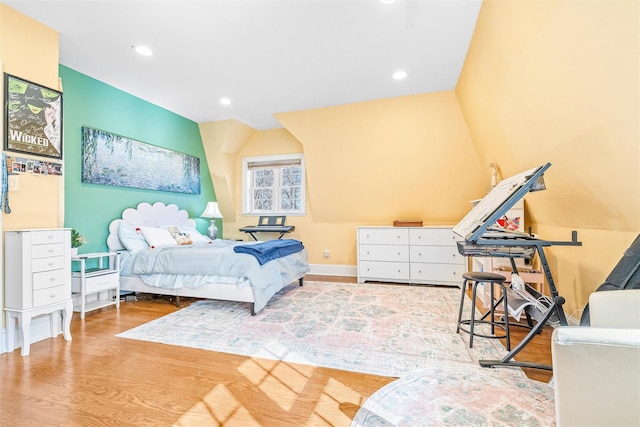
[158, 237]
[131, 239]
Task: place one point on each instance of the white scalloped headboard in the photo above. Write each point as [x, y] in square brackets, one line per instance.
[150, 216]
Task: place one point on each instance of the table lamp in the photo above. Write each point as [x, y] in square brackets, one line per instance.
[212, 212]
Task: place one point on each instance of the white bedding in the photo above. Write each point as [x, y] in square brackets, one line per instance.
[177, 269]
[190, 266]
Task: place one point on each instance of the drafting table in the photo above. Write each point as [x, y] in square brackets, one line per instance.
[481, 238]
[269, 224]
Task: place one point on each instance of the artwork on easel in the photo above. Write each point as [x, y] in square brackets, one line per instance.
[492, 202]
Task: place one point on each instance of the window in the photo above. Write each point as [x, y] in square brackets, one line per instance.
[273, 185]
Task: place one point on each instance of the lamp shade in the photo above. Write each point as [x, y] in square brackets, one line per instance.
[211, 211]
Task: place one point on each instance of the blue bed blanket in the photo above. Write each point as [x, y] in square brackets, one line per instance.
[271, 249]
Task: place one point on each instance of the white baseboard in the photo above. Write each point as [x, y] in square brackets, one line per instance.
[40, 330]
[333, 270]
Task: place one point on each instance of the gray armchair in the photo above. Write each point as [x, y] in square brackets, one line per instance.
[596, 369]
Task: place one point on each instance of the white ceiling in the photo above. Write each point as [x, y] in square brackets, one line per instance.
[267, 56]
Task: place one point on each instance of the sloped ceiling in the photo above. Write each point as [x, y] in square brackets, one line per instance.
[265, 56]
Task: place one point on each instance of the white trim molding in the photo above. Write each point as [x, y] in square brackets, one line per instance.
[333, 270]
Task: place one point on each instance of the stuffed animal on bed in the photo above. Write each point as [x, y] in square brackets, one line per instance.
[180, 236]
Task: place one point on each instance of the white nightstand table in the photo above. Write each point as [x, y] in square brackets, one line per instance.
[97, 282]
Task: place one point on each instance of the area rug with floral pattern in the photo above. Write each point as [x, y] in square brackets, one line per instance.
[383, 329]
[379, 329]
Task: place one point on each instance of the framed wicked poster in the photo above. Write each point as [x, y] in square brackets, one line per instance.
[33, 118]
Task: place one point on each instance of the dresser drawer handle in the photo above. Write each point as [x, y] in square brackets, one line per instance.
[51, 236]
[51, 250]
[51, 264]
[52, 296]
[52, 279]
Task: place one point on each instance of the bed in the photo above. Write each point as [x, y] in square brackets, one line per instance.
[199, 268]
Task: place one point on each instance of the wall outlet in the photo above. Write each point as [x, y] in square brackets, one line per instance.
[326, 253]
[14, 183]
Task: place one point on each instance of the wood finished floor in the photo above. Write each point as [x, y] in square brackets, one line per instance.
[100, 380]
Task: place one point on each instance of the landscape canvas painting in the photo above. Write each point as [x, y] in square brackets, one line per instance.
[110, 159]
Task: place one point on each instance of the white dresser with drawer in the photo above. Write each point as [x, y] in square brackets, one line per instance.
[37, 282]
[420, 255]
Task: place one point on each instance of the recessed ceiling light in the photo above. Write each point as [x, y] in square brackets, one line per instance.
[225, 101]
[143, 50]
[399, 75]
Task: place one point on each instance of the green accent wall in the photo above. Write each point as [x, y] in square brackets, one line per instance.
[90, 208]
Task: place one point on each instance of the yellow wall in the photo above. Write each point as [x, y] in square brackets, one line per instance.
[222, 141]
[368, 164]
[29, 50]
[558, 82]
[402, 158]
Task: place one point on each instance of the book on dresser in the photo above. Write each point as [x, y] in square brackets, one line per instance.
[407, 223]
[415, 255]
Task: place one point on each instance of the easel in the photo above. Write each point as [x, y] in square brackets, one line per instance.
[475, 228]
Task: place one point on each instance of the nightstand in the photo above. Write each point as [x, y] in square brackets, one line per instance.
[96, 282]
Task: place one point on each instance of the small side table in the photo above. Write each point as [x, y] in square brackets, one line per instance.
[96, 284]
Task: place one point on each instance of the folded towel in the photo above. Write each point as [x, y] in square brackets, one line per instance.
[270, 250]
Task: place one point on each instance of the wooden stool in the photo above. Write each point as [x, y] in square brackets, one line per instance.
[478, 277]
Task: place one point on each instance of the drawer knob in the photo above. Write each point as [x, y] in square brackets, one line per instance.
[52, 279]
[52, 296]
[51, 264]
[50, 236]
[50, 250]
